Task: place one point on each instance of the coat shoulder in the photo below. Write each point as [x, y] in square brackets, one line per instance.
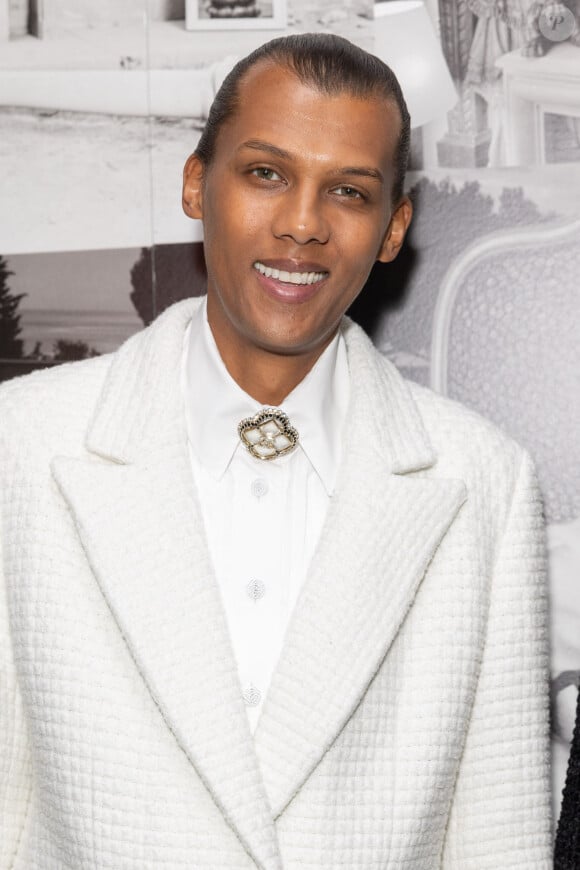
[475, 450]
[463, 438]
[49, 407]
[458, 440]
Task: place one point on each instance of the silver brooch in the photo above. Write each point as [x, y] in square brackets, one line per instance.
[268, 434]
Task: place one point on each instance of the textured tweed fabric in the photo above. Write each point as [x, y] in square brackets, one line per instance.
[406, 725]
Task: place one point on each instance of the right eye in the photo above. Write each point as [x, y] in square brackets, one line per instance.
[266, 173]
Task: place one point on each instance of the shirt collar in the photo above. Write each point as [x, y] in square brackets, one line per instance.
[316, 407]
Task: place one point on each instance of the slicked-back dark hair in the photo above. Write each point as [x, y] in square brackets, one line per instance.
[330, 64]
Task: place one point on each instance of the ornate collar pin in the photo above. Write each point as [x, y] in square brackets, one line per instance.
[268, 434]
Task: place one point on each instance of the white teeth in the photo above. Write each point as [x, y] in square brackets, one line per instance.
[290, 277]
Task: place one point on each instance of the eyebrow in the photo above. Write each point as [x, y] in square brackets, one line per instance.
[361, 171]
[259, 145]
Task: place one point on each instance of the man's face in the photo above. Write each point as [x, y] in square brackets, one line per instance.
[296, 208]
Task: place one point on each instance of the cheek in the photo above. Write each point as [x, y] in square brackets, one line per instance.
[360, 264]
[235, 212]
[359, 246]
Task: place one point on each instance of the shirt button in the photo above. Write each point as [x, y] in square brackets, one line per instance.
[252, 696]
[259, 487]
[255, 589]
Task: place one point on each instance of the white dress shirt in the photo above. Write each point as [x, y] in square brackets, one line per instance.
[262, 518]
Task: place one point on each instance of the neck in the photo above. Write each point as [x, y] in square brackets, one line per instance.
[265, 375]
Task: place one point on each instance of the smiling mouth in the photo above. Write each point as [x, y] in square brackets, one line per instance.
[289, 277]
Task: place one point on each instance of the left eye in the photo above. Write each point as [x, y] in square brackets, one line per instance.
[266, 174]
[348, 192]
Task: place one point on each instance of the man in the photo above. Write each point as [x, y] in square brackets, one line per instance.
[265, 604]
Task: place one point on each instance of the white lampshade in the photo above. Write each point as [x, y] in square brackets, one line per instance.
[405, 40]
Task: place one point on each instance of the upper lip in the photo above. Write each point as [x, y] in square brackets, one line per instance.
[290, 265]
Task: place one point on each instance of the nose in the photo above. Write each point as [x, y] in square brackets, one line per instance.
[301, 217]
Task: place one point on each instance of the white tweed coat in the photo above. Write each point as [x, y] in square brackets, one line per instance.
[406, 725]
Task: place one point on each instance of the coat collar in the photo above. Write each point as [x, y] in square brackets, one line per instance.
[140, 522]
[316, 406]
[140, 404]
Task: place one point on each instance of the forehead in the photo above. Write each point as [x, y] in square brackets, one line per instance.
[276, 107]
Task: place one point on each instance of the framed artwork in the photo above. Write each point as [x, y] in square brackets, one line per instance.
[235, 14]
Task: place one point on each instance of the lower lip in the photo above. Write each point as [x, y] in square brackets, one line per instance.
[284, 292]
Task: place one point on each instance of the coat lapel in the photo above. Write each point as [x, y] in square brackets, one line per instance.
[137, 515]
[381, 532]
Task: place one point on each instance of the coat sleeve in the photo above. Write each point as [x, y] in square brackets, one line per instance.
[500, 816]
[15, 768]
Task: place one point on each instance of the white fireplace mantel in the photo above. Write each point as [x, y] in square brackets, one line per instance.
[534, 87]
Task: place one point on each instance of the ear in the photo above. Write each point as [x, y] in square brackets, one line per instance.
[192, 196]
[396, 231]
